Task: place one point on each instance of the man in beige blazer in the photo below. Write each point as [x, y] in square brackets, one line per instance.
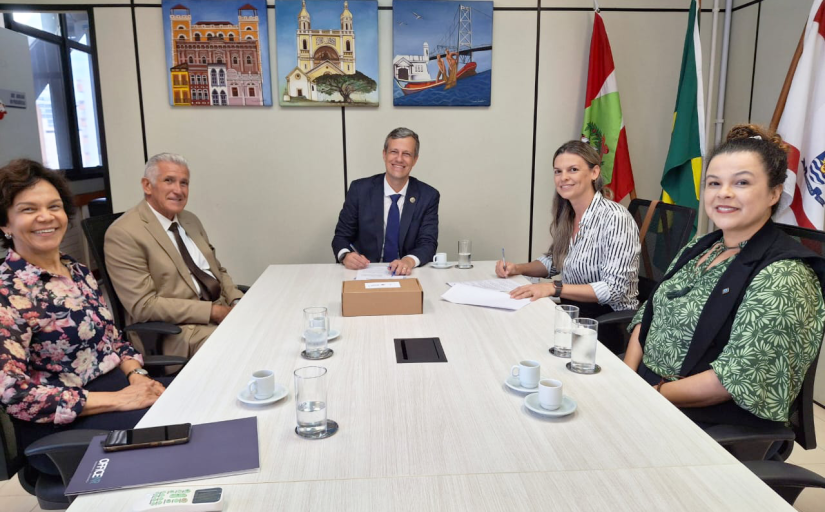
[149, 271]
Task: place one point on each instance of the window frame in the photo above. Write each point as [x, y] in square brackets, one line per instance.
[65, 46]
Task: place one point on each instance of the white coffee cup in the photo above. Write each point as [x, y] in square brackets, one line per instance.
[528, 373]
[440, 259]
[550, 394]
[262, 385]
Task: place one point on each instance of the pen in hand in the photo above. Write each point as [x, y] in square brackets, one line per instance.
[503, 261]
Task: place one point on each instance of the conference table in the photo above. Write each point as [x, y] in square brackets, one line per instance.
[440, 436]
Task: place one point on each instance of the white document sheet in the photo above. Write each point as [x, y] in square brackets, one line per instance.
[500, 285]
[376, 271]
[460, 293]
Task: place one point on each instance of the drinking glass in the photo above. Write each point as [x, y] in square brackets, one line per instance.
[465, 254]
[583, 354]
[565, 316]
[316, 331]
[311, 401]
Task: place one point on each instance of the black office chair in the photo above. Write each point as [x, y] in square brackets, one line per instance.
[752, 445]
[64, 449]
[150, 333]
[785, 479]
[668, 230]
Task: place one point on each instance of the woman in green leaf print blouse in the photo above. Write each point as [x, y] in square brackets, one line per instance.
[737, 320]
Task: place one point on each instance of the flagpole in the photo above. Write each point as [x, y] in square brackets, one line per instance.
[786, 87]
[702, 224]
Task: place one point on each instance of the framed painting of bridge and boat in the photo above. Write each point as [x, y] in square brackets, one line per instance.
[443, 53]
[327, 53]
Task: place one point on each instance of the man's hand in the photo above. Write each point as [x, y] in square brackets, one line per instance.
[218, 313]
[355, 261]
[402, 267]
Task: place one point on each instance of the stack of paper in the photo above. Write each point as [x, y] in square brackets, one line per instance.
[461, 293]
[377, 271]
[500, 285]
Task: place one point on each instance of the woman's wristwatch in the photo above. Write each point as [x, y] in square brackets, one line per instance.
[558, 285]
[139, 371]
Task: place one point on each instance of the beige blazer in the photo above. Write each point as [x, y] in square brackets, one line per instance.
[153, 282]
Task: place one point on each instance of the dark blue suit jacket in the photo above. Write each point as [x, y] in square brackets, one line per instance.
[361, 221]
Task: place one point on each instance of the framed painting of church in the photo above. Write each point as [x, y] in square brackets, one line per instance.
[217, 53]
[443, 53]
[327, 53]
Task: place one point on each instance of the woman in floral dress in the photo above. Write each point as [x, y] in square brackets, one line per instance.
[731, 330]
[63, 364]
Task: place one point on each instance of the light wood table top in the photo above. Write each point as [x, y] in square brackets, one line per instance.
[445, 436]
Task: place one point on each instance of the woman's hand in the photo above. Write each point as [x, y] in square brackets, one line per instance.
[140, 395]
[506, 269]
[533, 291]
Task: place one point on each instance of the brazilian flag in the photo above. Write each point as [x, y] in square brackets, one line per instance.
[683, 167]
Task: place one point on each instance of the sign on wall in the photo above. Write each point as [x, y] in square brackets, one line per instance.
[217, 53]
[13, 99]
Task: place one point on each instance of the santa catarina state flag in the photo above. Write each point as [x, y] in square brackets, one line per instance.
[603, 122]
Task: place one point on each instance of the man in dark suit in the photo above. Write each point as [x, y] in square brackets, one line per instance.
[389, 217]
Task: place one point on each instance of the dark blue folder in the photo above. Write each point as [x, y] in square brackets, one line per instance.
[220, 448]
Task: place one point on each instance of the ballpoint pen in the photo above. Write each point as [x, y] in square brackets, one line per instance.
[503, 261]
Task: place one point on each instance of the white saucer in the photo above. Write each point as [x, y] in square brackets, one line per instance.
[514, 384]
[568, 405]
[246, 397]
[331, 335]
[446, 265]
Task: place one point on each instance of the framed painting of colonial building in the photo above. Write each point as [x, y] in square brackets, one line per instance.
[217, 53]
[443, 53]
[327, 53]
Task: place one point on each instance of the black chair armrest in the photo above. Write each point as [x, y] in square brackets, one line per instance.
[781, 473]
[786, 479]
[617, 317]
[242, 287]
[162, 361]
[748, 443]
[65, 449]
[63, 441]
[156, 328]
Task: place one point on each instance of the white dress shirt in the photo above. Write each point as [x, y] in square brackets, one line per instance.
[388, 191]
[197, 255]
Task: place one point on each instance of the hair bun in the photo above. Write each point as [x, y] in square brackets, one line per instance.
[746, 131]
[752, 131]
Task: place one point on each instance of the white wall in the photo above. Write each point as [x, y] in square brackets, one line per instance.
[18, 130]
[267, 194]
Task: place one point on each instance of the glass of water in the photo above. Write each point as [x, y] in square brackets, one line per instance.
[316, 332]
[562, 341]
[583, 354]
[465, 254]
[311, 401]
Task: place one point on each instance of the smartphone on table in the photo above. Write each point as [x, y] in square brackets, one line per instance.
[131, 439]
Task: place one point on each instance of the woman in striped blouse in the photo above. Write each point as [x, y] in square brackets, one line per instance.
[595, 242]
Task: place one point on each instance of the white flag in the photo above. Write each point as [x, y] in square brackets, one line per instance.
[802, 126]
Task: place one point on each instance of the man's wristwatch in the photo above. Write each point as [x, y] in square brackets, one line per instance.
[139, 371]
[558, 285]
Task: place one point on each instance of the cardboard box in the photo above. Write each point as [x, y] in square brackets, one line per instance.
[382, 297]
